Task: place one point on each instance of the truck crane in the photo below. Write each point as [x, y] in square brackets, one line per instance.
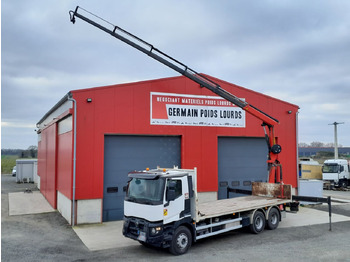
[268, 122]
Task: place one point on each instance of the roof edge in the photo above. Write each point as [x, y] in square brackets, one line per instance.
[57, 105]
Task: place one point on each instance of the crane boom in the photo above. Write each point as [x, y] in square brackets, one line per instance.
[201, 79]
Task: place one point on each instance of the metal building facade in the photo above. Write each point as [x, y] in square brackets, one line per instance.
[169, 107]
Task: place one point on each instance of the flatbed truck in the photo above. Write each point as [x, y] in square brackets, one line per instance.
[162, 209]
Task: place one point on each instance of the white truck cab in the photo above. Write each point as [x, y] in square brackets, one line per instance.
[158, 196]
[336, 172]
[156, 202]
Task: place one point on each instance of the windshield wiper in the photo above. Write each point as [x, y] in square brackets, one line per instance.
[141, 200]
[131, 199]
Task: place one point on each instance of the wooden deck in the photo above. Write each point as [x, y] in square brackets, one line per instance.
[235, 205]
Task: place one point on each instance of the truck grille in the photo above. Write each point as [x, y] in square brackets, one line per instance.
[136, 225]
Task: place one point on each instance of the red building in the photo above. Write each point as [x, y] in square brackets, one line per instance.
[164, 122]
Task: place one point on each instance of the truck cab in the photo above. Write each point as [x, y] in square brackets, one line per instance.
[336, 172]
[156, 202]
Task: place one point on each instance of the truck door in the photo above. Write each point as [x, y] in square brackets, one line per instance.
[174, 209]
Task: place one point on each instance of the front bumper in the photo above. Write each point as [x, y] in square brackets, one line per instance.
[331, 182]
[141, 230]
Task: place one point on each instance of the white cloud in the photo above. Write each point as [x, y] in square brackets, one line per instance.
[18, 125]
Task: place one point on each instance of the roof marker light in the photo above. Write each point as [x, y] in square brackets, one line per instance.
[147, 169]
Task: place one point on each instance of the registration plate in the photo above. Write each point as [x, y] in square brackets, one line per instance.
[142, 236]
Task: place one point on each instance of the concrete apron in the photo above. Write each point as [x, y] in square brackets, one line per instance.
[308, 217]
[109, 234]
[94, 236]
[103, 236]
[33, 202]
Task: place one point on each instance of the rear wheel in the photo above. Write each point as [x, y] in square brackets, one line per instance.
[181, 241]
[273, 219]
[258, 223]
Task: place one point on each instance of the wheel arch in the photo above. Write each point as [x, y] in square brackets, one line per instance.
[252, 213]
[187, 222]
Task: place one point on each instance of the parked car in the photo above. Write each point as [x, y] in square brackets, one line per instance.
[14, 171]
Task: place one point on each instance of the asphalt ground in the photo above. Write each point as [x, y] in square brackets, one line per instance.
[48, 237]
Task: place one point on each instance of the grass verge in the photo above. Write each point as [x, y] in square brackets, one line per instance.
[7, 163]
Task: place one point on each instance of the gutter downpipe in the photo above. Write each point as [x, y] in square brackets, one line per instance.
[297, 138]
[70, 98]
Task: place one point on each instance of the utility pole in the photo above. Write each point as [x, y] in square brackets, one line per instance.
[336, 139]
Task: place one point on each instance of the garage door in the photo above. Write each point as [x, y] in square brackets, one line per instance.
[123, 154]
[241, 161]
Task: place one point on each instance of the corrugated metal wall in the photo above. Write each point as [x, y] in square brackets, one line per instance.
[126, 109]
[47, 164]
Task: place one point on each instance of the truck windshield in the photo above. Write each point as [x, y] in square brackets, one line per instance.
[146, 191]
[327, 168]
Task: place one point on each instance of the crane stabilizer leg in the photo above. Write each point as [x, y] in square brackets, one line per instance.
[202, 80]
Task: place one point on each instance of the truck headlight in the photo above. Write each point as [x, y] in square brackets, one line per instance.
[155, 230]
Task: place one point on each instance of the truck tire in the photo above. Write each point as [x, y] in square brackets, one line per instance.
[258, 223]
[343, 183]
[181, 242]
[273, 219]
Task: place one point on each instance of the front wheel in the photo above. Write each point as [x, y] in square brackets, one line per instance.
[258, 223]
[181, 241]
[343, 183]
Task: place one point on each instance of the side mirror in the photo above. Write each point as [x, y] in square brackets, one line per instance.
[170, 194]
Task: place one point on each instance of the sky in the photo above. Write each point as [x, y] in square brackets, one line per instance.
[297, 51]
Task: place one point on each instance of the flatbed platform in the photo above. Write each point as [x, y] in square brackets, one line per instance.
[235, 205]
[263, 195]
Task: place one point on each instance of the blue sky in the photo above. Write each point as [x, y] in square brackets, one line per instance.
[297, 51]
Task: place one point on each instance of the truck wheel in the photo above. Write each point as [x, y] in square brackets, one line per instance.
[258, 223]
[181, 241]
[343, 183]
[273, 219]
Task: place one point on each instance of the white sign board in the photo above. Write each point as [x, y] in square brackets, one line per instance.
[194, 110]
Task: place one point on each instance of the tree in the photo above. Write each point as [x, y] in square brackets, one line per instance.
[329, 145]
[303, 145]
[316, 144]
[32, 151]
